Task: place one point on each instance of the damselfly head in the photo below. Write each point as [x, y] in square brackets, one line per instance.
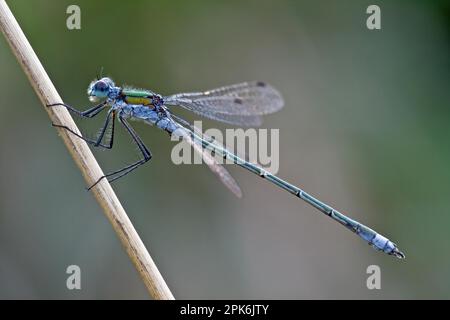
[99, 89]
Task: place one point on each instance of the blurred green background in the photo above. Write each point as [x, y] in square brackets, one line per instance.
[365, 128]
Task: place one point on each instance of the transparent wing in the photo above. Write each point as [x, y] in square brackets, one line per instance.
[231, 104]
[215, 167]
[242, 121]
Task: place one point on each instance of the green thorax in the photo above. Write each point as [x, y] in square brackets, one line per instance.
[138, 93]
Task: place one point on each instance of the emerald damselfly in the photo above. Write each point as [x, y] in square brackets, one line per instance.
[241, 104]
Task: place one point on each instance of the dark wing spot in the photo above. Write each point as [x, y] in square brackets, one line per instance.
[238, 101]
[260, 84]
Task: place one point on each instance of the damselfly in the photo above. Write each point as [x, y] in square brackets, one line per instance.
[240, 104]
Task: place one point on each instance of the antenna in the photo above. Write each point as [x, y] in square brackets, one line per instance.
[99, 76]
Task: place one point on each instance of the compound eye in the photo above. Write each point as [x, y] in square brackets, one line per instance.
[101, 86]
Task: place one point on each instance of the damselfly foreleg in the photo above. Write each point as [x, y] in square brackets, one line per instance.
[89, 113]
[97, 142]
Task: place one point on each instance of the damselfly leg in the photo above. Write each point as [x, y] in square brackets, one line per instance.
[127, 169]
[90, 113]
[110, 118]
